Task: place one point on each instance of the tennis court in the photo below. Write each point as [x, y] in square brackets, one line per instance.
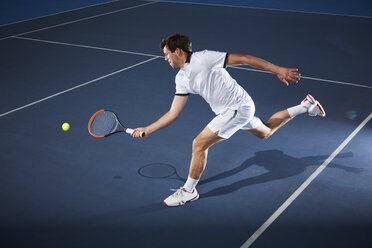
[309, 185]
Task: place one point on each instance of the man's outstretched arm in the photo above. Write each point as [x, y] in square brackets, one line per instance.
[282, 73]
[168, 118]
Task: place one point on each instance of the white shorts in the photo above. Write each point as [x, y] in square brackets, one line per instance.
[230, 121]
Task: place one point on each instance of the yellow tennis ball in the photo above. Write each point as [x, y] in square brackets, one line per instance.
[65, 126]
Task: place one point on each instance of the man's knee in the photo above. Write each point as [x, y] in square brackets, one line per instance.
[265, 136]
[199, 145]
[260, 135]
[262, 131]
[205, 140]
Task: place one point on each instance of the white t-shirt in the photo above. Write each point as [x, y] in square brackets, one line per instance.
[205, 74]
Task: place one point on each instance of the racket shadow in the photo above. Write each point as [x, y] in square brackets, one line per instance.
[160, 171]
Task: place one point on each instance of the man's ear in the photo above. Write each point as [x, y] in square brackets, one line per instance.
[178, 51]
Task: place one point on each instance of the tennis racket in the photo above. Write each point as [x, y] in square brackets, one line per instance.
[104, 123]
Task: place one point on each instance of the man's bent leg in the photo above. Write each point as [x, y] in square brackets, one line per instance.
[309, 106]
[276, 121]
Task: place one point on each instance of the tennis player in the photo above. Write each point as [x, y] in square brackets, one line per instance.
[204, 73]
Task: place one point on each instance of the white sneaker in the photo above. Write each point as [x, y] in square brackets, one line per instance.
[180, 197]
[313, 107]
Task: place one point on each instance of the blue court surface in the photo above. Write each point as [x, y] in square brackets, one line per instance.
[309, 185]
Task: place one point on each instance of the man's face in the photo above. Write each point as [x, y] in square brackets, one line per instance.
[173, 59]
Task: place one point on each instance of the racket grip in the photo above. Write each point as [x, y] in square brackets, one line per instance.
[130, 131]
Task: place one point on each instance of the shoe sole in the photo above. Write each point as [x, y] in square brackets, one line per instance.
[182, 203]
[323, 114]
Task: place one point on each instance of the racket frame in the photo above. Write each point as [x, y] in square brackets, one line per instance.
[125, 129]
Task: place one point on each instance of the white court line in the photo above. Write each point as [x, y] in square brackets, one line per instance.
[84, 46]
[337, 82]
[62, 12]
[271, 9]
[73, 88]
[283, 207]
[310, 78]
[157, 56]
[78, 20]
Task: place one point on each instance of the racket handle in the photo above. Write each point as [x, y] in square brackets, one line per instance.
[130, 131]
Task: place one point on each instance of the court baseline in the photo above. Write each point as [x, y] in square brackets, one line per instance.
[157, 56]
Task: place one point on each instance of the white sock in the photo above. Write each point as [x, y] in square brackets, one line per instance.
[190, 184]
[296, 110]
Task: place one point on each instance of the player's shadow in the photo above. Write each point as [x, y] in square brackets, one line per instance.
[278, 165]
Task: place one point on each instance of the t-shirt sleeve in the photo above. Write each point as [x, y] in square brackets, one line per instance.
[214, 59]
[181, 89]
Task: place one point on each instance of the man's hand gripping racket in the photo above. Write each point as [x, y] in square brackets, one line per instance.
[104, 123]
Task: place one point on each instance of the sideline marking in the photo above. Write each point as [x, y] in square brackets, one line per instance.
[283, 207]
[73, 88]
[262, 8]
[305, 77]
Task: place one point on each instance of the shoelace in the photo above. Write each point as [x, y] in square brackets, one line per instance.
[178, 192]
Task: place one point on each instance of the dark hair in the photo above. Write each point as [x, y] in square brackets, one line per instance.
[177, 41]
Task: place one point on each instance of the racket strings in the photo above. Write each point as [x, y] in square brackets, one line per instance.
[104, 123]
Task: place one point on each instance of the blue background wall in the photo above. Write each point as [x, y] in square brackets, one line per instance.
[17, 10]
